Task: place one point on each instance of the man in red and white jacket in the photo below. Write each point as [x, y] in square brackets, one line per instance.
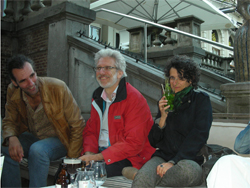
[120, 120]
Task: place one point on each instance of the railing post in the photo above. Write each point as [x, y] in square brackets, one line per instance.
[145, 43]
[169, 40]
[26, 9]
[157, 32]
[37, 4]
[47, 3]
[226, 65]
[9, 11]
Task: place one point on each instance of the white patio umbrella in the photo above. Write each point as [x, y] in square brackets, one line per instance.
[160, 11]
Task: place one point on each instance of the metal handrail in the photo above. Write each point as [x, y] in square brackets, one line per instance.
[167, 28]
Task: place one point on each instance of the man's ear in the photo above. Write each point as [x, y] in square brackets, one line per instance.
[14, 82]
[120, 73]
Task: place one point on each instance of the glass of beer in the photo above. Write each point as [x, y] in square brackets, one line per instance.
[72, 165]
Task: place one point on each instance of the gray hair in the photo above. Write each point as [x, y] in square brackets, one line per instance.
[120, 62]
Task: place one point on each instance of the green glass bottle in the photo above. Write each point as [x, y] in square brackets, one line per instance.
[169, 94]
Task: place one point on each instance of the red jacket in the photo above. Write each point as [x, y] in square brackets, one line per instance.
[129, 120]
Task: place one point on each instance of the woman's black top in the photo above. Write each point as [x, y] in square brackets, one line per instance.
[186, 129]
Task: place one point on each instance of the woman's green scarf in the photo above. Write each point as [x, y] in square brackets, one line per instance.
[178, 96]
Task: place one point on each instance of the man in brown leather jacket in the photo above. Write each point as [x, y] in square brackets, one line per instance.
[42, 123]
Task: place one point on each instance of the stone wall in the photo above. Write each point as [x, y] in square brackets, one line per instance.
[6, 52]
[32, 42]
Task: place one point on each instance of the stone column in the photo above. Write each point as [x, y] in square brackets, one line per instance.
[65, 19]
[237, 97]
[192, 25]
[187, 45]
[136, 40]
[242, 44]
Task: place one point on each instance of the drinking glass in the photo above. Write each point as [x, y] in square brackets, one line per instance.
[85, 178]
[72, 165]
[100, 173]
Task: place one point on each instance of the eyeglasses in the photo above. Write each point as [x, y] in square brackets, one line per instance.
[172, 79]
[106, 68]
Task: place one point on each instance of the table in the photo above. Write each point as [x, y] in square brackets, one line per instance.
[113, 182]
[121, 181]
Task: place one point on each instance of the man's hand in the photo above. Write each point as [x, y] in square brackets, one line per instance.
[15, 149]
[89, 153]
[163, 168]
[89, 156]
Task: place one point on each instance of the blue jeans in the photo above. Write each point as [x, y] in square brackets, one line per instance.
[242, 141]
[39, 154]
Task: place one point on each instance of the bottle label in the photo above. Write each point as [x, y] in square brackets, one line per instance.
[85, 184]
[58, 186]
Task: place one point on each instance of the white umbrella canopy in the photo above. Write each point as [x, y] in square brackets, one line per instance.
[160, 11]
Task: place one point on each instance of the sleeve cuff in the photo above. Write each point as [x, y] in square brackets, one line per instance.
[171, 161]
[157, 121]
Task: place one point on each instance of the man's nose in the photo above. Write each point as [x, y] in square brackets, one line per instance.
[102, 71]
[30, 82]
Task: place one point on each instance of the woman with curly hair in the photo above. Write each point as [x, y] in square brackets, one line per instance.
[178, 135]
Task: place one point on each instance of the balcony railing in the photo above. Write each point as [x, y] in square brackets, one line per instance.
[221, 65]
[17, 9]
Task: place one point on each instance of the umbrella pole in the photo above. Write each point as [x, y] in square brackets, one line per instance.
[145, 43]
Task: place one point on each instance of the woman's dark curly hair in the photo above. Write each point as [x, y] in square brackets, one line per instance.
[185, 67]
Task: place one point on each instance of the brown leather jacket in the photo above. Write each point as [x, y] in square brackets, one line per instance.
[60, 107]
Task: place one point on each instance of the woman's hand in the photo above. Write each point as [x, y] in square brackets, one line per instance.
[163, 107]
[163, 168]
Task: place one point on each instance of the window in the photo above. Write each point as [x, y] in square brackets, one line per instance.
[231, 43]
[94, 32]
[117, 39]
[215, 36]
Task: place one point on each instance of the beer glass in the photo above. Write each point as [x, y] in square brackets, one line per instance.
[100, 173]
[85, 178]
[72, 165]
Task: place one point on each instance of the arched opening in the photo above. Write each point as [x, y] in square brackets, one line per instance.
[215, 37]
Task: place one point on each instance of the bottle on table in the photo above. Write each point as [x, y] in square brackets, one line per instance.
[63, 180]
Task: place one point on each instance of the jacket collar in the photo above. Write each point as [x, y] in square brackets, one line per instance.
[43, 88]
[121, 92]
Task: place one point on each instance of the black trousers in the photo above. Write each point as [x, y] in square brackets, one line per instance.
[115, 169]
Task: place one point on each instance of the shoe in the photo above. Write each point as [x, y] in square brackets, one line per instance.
[129, 172]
